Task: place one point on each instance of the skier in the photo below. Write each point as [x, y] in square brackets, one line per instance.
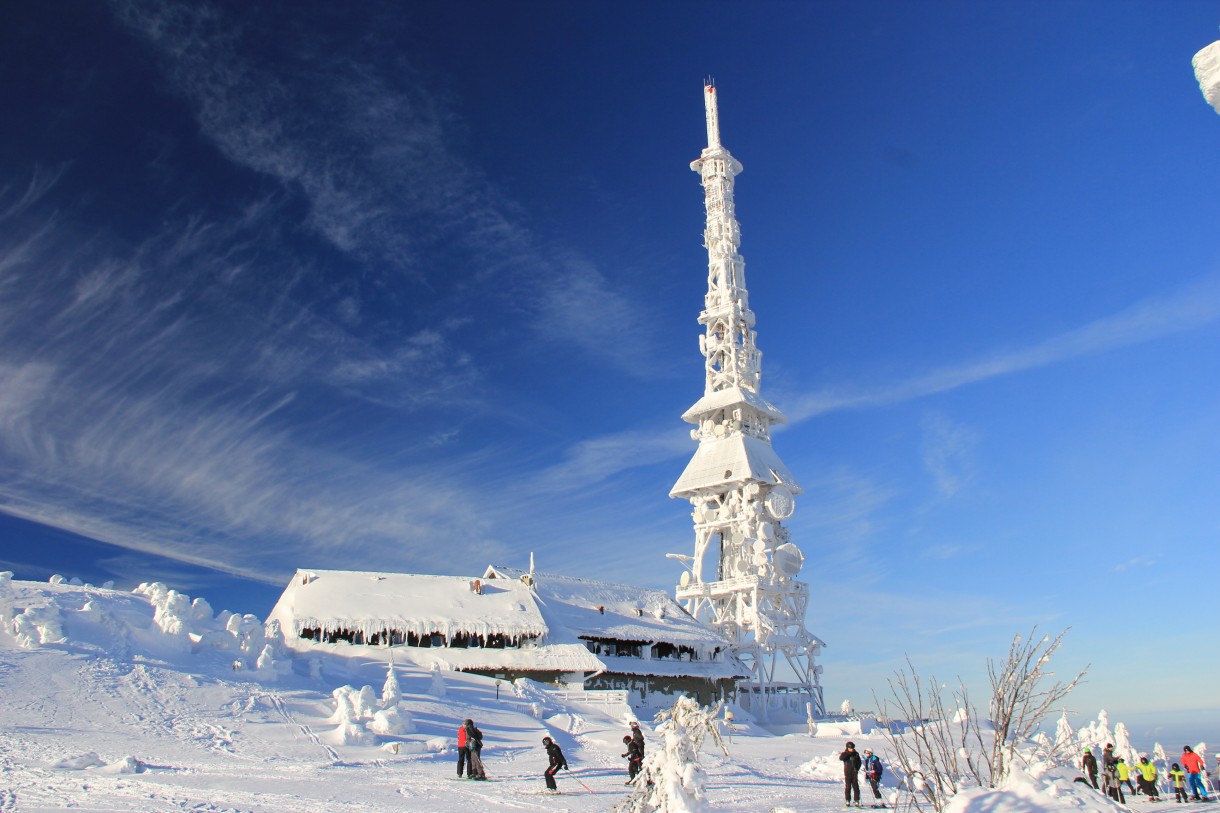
[557, 762]
[1124, 774]
[851, 774]
[1192, 763]
[872, 772]
[463, 750]
[1147, 779]
[1178, 776]
[635, 757]
[474, 744]
[1109, 775]
[1089, 763]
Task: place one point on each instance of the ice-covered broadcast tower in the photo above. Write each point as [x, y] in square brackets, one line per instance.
[742, 579]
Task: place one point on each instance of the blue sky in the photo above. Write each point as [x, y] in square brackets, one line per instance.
[413, 287]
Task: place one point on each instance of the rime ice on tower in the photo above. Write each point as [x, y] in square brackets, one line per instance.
[740, 490]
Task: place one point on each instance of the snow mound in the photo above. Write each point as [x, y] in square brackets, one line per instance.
[126, 765]
[1023, 791]
[80, 762]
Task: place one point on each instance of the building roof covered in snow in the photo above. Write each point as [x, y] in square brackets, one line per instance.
[543, 622]
[332, 600]
[595, 609]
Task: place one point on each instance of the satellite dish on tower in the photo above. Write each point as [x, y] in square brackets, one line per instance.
[788, 559]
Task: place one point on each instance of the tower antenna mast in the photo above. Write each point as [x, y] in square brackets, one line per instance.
[742, 577]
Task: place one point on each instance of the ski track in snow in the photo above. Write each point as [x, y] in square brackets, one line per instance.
[278, 702]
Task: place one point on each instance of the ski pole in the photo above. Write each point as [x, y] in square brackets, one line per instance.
[582, 784]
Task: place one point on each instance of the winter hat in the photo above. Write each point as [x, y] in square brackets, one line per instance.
[1087, 751]
[627, 738]
[635, 724]
[851, 744]
[1185, 748]
[546, 740]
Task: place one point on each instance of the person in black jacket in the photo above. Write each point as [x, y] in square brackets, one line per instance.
[557, 762]
[1089, 763]
[851, 774]
[635, 757]
[474, 741]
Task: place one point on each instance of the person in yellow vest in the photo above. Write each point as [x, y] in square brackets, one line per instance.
[1147, 779]
[1124, 774]
[1178, 777]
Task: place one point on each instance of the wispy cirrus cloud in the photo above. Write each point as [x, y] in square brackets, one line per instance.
[1188, 308]
[374, 150]
[143, 394]
[948, 452]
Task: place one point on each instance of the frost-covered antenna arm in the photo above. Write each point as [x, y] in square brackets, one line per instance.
[713, 115]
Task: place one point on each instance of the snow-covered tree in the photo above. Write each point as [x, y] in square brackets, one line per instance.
[845, 707]
[671, 779]
[1161, 761]
[437, 689]
[1102, 731]
[956, 746]
[390, 691]
[1064, 738]
[1122, 745]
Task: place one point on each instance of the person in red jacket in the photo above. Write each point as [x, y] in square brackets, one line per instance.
[1193, 765]
[464, 764]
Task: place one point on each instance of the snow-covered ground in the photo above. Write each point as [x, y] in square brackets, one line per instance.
[118, 701]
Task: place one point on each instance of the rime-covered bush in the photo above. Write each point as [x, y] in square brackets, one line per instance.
[38, 625]
[391, 721]
[437, 687]
[6, 596]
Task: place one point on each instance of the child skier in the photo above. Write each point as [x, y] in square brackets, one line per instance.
[557, 762]
[872, 772]
[1179, 783]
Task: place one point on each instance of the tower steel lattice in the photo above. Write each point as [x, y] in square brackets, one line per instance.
[742, 578]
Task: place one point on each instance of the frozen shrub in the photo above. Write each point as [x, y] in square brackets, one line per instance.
[391, 721]
[201, 610]
[38, 625]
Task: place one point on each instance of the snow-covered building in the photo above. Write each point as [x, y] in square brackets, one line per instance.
[513, 623]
